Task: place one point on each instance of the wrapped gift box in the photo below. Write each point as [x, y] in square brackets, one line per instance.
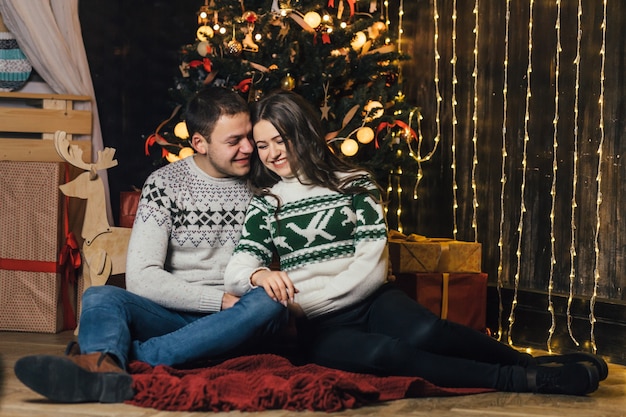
[420, 254]
[129, 200]
[458, 297]
[33, 295]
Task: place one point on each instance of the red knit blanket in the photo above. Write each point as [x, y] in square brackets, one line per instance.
[263, 382]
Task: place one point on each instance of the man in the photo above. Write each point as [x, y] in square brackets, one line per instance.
[174, 310]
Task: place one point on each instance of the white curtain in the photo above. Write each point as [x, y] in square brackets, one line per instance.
[49, 34]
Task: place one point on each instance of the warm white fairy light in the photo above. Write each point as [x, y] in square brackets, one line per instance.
[436, 79]
[417, 155]
[520, 227]
[400, 28]
[455, 204]
[475, 122]
[505, 92]
[555, 145]
[596, 271]
[389, 191]
[399, 192]
[572, 248]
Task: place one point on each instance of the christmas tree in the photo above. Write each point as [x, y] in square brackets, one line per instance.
[340, 55]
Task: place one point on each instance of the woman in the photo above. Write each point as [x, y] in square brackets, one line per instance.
[324, 220]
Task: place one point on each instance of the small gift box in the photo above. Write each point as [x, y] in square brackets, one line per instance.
[415, 253]
[458, 297]
[129, 200]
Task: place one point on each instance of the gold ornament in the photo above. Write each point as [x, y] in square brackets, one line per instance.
[234, 47]
[365, 134]
[358, 41]
[204, 33]
[172, 157]
[180, 130]
[288, 83]
[376, 29]
[349, 147]
[374, 109]
[312, 19]
[185, 152]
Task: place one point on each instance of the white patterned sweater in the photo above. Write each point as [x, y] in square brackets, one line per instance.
[186, 228]
[333, 246]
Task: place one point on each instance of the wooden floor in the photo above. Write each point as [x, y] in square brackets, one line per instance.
[17, 400]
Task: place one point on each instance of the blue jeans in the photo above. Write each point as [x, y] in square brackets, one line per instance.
[131, 327]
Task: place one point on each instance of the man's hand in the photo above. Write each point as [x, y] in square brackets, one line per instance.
[276, 284]
[228, 300]
[295, 310]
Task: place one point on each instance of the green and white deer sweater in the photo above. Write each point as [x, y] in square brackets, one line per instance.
[333, 246]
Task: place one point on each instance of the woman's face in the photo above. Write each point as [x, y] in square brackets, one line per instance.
[271, 148]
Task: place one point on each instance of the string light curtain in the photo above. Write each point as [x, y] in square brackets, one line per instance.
[515, 260]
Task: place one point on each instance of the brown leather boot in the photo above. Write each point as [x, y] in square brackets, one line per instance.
[93, 377]
[72, 349]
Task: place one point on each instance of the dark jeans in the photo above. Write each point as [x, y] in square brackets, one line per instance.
[391, 334]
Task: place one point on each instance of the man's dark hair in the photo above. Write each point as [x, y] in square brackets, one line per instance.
[208, 105]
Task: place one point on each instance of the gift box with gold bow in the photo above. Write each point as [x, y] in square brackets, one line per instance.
[457, 297]
[415, 253]
[39, 254]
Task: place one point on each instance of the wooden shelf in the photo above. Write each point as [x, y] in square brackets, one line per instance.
[28, 122]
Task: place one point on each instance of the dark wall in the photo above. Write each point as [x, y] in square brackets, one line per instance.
[132, 48]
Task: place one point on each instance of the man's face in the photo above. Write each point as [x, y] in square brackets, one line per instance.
[227, 154]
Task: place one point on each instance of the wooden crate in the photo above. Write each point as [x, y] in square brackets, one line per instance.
[28, 122]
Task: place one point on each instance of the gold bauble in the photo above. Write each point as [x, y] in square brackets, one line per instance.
[365, 134]
[172, 157]
[234, 47]
[371, 105]
[180, 130]
[376, 29]
[349, 147]
[358, 41]
[185, 152]
[288, 83]
[312, 19]
[204, 33]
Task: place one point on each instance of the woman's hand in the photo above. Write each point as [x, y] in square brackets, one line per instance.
[276, 284]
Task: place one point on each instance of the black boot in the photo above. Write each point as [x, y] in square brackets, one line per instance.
[567, 379]
[595, 360]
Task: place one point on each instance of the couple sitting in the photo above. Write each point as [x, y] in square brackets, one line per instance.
[199, 284]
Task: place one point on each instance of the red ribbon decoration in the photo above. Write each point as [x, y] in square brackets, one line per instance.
[156, 138]
[351, 3]
[331, 4]
[28, 265]
[390, 125]
[152, 139]
[69, 262]
[244, 85]
[206, 64]
[325, 38]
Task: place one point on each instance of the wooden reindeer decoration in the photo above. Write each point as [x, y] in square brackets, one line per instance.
[104, 247]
